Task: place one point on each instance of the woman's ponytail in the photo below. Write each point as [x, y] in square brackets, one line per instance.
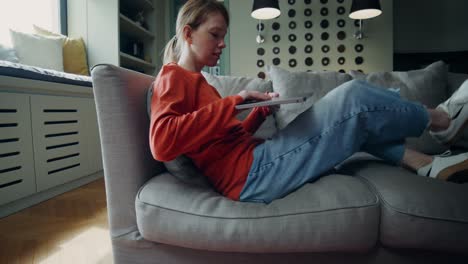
[171, 51]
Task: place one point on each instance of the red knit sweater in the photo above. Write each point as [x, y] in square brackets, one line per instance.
[188, 116]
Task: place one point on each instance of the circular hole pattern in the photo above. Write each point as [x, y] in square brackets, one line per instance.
[359, 48]
[323, 1]
[324, 23]
[308, 49]
[324, 36]
[292, 37]
[275, 26]
[291, 2]
[260, 27]
[341, 35]
[276, 61]
[260, 51]
[292, 49]
[276, 50]
[261, 75]
[307, 2]
[341, 60]
[292, 25]
[342, 71]
[340, 1]
[341, 23]
[309, 61]
[292, 13]
[341, 48]
[340, 10]
[292, 63]
[325, 48]
[309, 36]
[276, 38]
[308, 24]
[307, 12]
[325, 61]
[260, 63]
[324, 11]
[359, 60]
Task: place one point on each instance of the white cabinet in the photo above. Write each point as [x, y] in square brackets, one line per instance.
[17, 178]
[59, 134]
[45, 141]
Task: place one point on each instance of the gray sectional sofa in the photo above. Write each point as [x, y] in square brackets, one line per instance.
[365, 211]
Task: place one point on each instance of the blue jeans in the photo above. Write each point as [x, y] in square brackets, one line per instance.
[353, 117]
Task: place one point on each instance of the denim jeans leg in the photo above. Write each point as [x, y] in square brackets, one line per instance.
[334, 128]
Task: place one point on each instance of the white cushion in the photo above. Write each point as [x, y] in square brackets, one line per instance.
[293, 84]
[38, 51]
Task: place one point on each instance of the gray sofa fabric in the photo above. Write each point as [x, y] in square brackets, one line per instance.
[417, 212]
[123, 128]
[335, 213]
[156, 218]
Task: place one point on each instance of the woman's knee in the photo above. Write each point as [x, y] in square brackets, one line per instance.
[352, 90]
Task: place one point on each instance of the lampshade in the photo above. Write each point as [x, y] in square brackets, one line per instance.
[364, 9]
[265, 9]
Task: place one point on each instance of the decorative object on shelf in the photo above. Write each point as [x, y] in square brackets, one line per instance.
[364, 9]
[141, 21]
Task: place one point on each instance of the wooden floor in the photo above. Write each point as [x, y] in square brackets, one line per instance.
[70, 228]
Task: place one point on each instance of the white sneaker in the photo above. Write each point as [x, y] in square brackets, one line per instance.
[443, 167]
[457, 109]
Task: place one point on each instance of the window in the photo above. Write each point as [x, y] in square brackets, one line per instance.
[22, 14]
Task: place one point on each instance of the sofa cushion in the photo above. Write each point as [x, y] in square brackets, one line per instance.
[74, 51]
[294, 84]
[336, 213]
[28, 45]
[427, 86]
[417, 212]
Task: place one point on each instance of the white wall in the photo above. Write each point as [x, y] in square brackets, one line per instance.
[378, 46]
[430, 25]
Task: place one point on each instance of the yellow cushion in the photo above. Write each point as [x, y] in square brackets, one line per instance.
[74, 52]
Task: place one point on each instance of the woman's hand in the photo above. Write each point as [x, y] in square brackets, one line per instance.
[258, 96]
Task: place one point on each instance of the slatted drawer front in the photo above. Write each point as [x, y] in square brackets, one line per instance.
[59, 139]
[17, 178]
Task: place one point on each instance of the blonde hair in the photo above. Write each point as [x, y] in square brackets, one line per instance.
[193, 13]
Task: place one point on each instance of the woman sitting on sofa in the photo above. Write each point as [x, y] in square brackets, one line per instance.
[189, 117]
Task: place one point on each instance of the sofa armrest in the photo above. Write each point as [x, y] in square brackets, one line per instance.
[120, 96]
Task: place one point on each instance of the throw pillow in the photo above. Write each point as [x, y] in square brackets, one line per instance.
[38, 51]
[8, 54]
[183, 169]
[427, 86]
[292, 84]
[74, 52]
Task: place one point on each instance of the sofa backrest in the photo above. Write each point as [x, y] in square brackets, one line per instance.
[120, 96]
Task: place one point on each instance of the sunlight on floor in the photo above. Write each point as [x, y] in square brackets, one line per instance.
[92, 246]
